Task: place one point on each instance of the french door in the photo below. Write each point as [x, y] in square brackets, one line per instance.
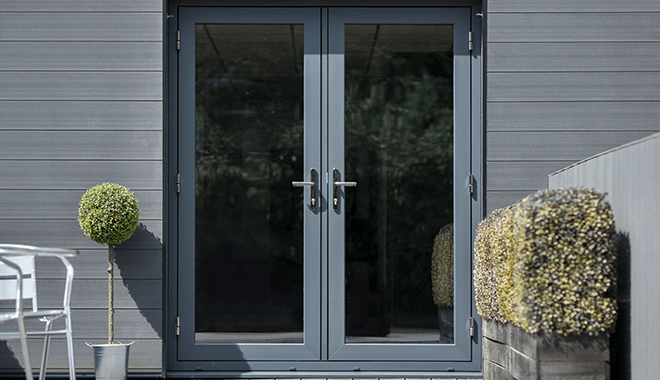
[322, 152]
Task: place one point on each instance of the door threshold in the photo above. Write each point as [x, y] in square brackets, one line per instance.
[324, 375]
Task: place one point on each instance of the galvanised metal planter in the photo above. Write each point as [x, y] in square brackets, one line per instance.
[111, 360]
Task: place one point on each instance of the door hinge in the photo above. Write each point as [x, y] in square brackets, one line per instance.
[178, 40]
[470, 41]
[178, 183]
[178, 326]
[471, 326]
[471, 183]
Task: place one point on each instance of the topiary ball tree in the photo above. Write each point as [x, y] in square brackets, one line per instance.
[109, 214]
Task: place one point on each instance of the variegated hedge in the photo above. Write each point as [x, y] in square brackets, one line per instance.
[442, 267]
[547, 263]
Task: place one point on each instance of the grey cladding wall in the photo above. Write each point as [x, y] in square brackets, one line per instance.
[81, 102]
[565, 80]
[630, 176]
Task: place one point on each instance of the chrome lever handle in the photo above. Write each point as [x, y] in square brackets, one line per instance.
[312, 183]
[335, 188]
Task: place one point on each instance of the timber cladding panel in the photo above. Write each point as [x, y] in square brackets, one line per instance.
[81, 102]
[565, 80]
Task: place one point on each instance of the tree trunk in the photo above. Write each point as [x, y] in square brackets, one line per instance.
[111, 306]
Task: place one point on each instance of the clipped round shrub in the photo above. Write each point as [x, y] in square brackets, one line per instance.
[442, 267]
[489, 256]
[563, 263]
[108, 213]
[547, 263]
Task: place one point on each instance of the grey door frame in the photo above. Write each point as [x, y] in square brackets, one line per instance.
[337, 348]
[188, 348]
[335, 358]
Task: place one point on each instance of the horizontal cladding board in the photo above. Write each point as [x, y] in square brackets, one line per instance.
[80, 5]
[93, 294]
[129, 324]
[132, 264]
[574, 6]
[608, 86]
[573, 56]
[81, 56]
[571, 116]
[93, 323]
[554, 146]
[75, 26]
[145, 355]
[67, 234]
[25, 175]
[521, 176]
[573, 27]
[81, 145]
[63, 204]
[81, 115]
[499, 199]
[81, 86]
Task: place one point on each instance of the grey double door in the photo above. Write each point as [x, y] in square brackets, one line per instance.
[323, 155]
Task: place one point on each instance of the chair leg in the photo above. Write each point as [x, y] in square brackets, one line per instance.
[69, 347]
[24, 347]
[44, 353]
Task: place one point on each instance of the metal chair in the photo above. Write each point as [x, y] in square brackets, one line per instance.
[18, 282]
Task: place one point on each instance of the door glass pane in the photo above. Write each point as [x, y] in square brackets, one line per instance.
[399, 149]
[249, 145]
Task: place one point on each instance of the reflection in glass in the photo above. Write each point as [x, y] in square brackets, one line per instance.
[248, 132]
[399, 149]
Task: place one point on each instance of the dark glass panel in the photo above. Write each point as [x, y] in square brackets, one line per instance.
[249, 148]
[399, 149]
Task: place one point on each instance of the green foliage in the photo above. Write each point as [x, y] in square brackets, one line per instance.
[108, 213]
[249, 148]
[553, 258]
[489, 257]
[442, 267]
[399, 128]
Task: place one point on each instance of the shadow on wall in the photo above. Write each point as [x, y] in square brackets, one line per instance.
[620, 340]
[140, 263]
[9, 360]
[139, 260]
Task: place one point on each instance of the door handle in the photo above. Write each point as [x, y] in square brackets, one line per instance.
[335, 188]
[312, 190]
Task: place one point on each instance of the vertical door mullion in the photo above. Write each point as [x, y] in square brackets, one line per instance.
[312, 157]
[323, 94]
[336, 231]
